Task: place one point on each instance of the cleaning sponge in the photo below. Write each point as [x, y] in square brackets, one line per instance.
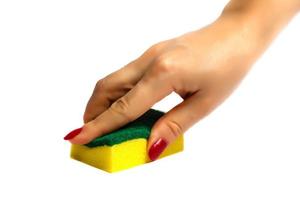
[125, 147]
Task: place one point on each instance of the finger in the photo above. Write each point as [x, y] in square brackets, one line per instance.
[111, 88]
[117, 84]
[137, 101]
[176, 122]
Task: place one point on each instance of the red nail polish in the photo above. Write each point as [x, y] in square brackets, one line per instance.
[157, 148]
[72, 134]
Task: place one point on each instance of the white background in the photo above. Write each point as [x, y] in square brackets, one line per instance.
[53, 52]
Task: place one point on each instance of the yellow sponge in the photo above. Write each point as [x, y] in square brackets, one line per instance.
[120, 156]
[124, 148]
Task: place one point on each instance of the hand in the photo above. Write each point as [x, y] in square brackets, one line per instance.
[203, 67]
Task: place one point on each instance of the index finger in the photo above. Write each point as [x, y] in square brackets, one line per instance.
[119, 83]
[142, 97]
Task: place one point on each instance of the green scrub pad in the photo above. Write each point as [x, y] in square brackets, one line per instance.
[140, 128]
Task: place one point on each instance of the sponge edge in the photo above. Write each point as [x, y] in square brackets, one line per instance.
[120, 156]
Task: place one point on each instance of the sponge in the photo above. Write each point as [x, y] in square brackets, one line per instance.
[125, 147]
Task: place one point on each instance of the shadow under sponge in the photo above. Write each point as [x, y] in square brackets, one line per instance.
[123, 148]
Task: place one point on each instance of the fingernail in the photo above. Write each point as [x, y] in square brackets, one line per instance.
[72, 134]
[157, 148]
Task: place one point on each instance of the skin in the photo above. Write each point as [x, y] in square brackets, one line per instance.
[202, 66]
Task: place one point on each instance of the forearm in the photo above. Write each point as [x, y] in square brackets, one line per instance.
[249, 26]
[264, 18]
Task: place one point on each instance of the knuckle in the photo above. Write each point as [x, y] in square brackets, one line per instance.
[101, 85]
[175, 128]
[165, 64]
[156, 48]
[121, 107]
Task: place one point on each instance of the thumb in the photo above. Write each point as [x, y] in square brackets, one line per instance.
[176, 122]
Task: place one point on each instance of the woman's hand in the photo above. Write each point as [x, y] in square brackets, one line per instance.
[203, 67]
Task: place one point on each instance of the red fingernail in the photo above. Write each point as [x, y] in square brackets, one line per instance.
[157, 148]
[72, 134]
